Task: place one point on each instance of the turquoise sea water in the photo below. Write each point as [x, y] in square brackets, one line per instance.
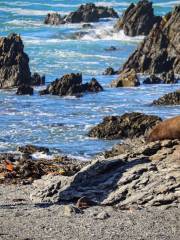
[62, 123]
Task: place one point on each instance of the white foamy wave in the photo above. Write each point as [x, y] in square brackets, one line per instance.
[112, 4]
[27, 12]
[40, 155]
[167, 4]
[25, 23]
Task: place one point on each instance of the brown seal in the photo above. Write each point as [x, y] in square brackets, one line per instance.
[168, 129]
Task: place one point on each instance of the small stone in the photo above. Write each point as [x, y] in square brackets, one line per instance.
[70, 210]
[102, 216]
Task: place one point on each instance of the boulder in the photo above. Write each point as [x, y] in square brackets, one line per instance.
[37, 80]
[127, 78]
[160, 50]
[87, 25]
[153, 79]
[138, 19]
[129, 125]
[172, 98]
[71, 84]
[14, 62]
[54, 19]
[110, 71]
[85, 13]
[24, 90]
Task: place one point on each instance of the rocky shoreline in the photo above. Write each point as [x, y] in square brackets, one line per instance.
[137, 179]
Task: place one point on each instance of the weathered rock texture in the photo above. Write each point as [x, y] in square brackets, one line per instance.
[37, 79]
[71, 84]
[126, 126]
[151, 178]
[138, 19]
[85, 13]
[127, 78]
[160, 50]
[14, 63]
[169, 99]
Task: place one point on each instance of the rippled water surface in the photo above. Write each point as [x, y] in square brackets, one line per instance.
[62, 123]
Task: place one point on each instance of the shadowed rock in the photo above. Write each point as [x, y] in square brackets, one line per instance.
[160, 50]
[153, 79]
[14, 63]
[85, 13]
[137, 19]
[128, 125]
[110, 71]
[24, 90]
[71, 84]
[127, 78]
[169, 99]
[37, 80]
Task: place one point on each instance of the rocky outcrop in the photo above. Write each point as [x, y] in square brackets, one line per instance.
[85, 13]
[127, 78]
[160, 50]
[149, 178]
[138, 19]
[169, 99]
[168, 77]
[37, 79]
[110, 71]
[24, 90]
[153, 79]
[71, 84]
[14, 63]
[128, 125]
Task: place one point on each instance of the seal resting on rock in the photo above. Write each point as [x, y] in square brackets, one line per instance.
[168, 129]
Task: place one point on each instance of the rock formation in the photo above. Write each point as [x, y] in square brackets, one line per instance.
[169, 99]
[110, 71]
[24, 90]
[85, 13]
[71, 84]
[128, 125]
[160, 50]
[137, 19]
[14, 63]
[149, 177]
[37, 80]
[127, 78]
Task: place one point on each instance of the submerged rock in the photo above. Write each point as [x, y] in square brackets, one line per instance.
[37, 80]
[110, 71]
[71, 84]
[160, 50]
[169, 99]
[25, 90]
[121, 181]
[153, 79]
[127, 78]
[85, 13]
[138, 19]
[14, 62]
[128, 125]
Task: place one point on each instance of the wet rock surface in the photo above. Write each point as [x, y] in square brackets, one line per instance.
[37, 79]
[153, 79]
[126, 126]
[127, 78]
[124, 181]
[24, 90]
[169, 99]
[160, 50]
[110, 71]
[138, 19]
[14, 62]
[85, 13]
[71, 84]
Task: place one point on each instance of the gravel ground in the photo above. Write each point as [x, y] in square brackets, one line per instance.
[20, 219]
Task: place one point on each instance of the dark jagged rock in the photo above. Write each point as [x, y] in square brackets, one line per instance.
[24, 90]
[14, 63]
[54, 19]
[85, 13]
[30, 149]
[110, 71]
[153, 79]
[94, 86]
[71, 84]
[112, 48]
[37, 80]
[138, 19]
[169, 99]
[87, 25]
[160, 50]
[127, 78]
[168, 77]
[128, 125]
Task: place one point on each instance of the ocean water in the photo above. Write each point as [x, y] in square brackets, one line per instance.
[62, 124]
